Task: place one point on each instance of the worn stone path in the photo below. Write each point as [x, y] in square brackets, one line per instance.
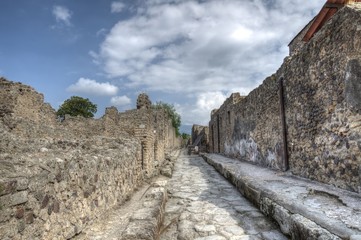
[203, 205]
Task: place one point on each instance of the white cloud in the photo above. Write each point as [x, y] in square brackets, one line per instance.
[198, 112]
[117, 7]
[120, 101]
[95, 57]
[188, 46]
[194, 48]
[62, 15]
[92, 87]
[210, 100]
[101, 32]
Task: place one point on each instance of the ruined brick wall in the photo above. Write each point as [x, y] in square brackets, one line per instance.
[322, 101]
[56, 177]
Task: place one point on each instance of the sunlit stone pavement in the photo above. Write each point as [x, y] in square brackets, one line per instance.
[204, 206]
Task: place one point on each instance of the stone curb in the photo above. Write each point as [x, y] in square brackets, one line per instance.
[145, 223]
[292, 219]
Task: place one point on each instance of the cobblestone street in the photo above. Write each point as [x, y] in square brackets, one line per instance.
[203, 205]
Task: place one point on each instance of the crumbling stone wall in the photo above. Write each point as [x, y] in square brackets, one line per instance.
[53, 191]
[199, 137]
[322, 99]
[143, 101]
[56, 177]
[23, 110]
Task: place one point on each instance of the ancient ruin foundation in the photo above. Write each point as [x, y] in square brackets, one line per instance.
[56, 177]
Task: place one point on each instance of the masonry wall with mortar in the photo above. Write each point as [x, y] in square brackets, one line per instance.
[297, 43]
[322, 101]
[198, 130]
[56, 177]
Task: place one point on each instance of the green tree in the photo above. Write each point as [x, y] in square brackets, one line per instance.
[186, 136]
[77, 106]
[169, 108]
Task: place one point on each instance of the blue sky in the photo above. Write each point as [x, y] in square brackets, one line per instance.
[192, 54]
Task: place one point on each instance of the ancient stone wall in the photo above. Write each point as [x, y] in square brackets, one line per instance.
[322, 100]
[57, 176]
[23, 110]
[56, 188]
[250, 128]
[297, 43]
[199, 137]
[322, 104]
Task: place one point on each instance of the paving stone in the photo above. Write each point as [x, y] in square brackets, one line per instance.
[210, 207]
[214, 237]
[355, 237]
[235, 230]
[273, 235]
[205, 228]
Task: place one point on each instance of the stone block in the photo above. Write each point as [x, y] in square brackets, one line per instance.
[140, 230]
[303, 228]
[22, 184]
[353, 84]
[355, 237]
[283, 218]
[19, 198]
[7, 187]
[19, 213]
[5, 214]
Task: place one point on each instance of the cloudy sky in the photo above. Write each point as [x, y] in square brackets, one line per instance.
[190, 53]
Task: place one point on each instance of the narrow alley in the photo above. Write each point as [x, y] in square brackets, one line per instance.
[202, 205]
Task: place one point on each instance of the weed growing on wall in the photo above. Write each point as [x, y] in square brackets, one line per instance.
[169, 108]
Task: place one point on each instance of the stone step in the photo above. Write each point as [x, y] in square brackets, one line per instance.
[145, 223]
[303, 209]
